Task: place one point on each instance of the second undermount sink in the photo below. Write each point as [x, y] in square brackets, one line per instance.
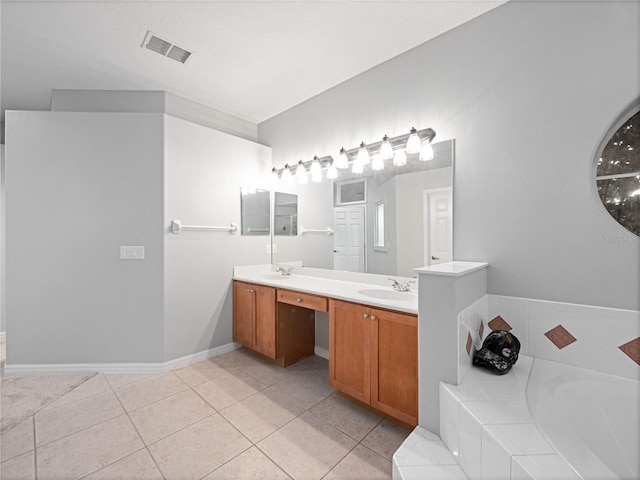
[387, 294]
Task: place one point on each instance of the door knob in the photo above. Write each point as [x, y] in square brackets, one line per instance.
[434, 258]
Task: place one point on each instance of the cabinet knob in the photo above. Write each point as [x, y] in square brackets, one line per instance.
[299, 300]
[365, 315]
[373, 317]
[250, 290]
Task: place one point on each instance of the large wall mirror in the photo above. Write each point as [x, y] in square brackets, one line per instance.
[385, 222]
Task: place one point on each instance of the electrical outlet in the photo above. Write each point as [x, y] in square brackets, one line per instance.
[132, 253]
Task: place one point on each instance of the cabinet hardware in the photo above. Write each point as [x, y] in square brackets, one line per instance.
[365, 315]
[373, 317]
[299, 300]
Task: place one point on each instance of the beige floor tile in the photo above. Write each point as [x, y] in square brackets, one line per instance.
[94, 386]
[198, 449]
[202, 372]
[305, 389]
[138, 466]
[141, 393]
[118, 380]
[261, 414]
[238, 358]
[353, 420]
[24, 395]
[307, 447]
[167, 416]
[19, 468]
[55, 423]
[386, 438]
[361, 464]
[224, 391]
[249, 465]
[85, 452]
[267, 373]
[18, 440]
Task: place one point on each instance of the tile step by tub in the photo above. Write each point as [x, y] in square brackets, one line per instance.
[488, 433]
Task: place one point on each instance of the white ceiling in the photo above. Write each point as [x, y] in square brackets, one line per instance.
[253, 59]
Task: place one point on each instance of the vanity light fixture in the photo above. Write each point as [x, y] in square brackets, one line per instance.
[363, 154]
[408, 147]
[386, 150]
[413, 142]
[377, 163]
[286, 175]
[301, 173]
[426, 152]
[343, 159]
[400, 158]
[316, 170]
[332, 172]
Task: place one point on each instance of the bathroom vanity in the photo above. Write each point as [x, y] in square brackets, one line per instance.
[373, 331]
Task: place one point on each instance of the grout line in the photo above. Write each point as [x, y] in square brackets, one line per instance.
[35, 450]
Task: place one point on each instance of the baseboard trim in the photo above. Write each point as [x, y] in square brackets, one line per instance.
[200, 356]
[121, 367]
[321, 352]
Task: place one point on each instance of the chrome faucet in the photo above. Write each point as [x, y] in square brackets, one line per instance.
[401, 287]
[286, 271]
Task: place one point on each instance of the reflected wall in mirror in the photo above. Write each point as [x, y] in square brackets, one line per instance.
[285, 214]
[255, 209]
[408, 209]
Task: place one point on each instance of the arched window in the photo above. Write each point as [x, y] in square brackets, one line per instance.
[618, 172]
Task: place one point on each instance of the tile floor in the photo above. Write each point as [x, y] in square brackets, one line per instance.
[231, 417]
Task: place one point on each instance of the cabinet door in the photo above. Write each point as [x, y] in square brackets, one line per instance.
[264, 338]
[243, 308]
[394, 364]
[350, 346]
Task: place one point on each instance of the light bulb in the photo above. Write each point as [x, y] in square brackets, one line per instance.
[386, 150]
[400, 158]
[426, 152]
[357, 167]
[286, 174]
[332, 172]
[301, 173]
[363, 154]
[377, 163]
[413, 142]
[315, 165]
[343, 159]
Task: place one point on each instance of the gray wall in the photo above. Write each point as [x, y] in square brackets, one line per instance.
[527, 90]
[80, 185]
[204, 170]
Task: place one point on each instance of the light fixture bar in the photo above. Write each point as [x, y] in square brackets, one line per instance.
[397, 143]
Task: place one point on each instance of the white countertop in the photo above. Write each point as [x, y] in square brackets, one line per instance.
[367, 289]
[453, 269]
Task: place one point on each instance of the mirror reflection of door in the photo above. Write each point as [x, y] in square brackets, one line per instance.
[285, 214]
[348, 238]
[438, 210]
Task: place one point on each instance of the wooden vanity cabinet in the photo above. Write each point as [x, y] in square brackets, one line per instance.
[278, 324]
[374, 358]
[254, 317]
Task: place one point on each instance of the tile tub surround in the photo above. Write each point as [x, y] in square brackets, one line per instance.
[606, 340]
[234, 416]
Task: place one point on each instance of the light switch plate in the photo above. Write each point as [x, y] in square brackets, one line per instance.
[132, 252]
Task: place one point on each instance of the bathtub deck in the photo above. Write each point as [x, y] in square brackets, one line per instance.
[487, 428]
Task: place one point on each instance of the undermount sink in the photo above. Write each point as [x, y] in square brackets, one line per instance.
[385, 294]
[276, 276]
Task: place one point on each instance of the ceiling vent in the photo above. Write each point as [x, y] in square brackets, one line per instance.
[165, 48]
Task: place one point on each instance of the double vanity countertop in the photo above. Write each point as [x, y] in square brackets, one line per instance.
[368, 289]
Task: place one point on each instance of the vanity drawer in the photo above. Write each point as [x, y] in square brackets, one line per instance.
[306, 300]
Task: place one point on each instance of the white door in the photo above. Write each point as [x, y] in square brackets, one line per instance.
[439, 209]
[348, 239]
